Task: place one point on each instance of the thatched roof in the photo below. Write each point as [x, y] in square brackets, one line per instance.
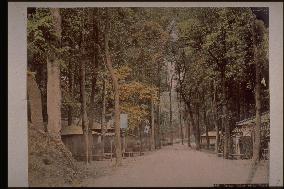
[211, 134]
[265, 117]
[246, 126]
[98, 126]
[73, 130]
[109, 134]
[77, 130]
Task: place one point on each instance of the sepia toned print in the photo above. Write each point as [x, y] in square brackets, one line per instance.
[148, 96]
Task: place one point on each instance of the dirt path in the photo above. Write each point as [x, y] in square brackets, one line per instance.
[176, 166]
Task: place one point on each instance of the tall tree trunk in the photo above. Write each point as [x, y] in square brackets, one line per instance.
[217, 137]
[238, 102]
[116, 96]
[140, 139]
[104, 116]
[83, 108]
[180, 122]
[190, 119]
[71, 89]
[53, 81]
[223, 136]
[197, 131]
[85, 126]
[95, 34]
[158, 138]
[206, 128]
[171, 113]
[189, 126]
[214, 107]
[92, 101]
[256, 142]
[188, 111]
[152, 125]
[242, 103]
[227, 132]
[225, 123]
[171, 129]
[159, 108]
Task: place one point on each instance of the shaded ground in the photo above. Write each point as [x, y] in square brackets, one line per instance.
[173, 166]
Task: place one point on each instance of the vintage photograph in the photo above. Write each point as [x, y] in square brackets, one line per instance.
[148, 96]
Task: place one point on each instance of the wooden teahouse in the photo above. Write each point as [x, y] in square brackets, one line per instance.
[74, 139]
[212, 139]
[243, 136]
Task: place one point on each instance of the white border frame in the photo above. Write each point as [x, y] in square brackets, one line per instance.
[17, 56]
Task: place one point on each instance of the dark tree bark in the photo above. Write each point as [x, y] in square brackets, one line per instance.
[194, 124]
[225, 123]
[118, 152]
[83, 109]
[140, 139]
[71, 90]
[180, 122]
[159, 108]
[181, 68]
[256, 142]
[214, 108]
[152, 145]
[189, 112]
[238, 101]
[158, 133]
[191, 120]
[188, 132]
[206, 128]
[197, 130]
[53, 81]
[95, 65]
[104, 116]
[171, 113]
[85, 126]
[189, 126]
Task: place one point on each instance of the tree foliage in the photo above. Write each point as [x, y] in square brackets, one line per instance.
[213, 49]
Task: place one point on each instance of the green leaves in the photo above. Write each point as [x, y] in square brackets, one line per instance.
[40, 34]
[62, 64]
[210, 41]
[218, 42]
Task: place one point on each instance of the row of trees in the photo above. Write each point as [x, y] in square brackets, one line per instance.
[222, 56]
[118, 49]
[114, 59]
